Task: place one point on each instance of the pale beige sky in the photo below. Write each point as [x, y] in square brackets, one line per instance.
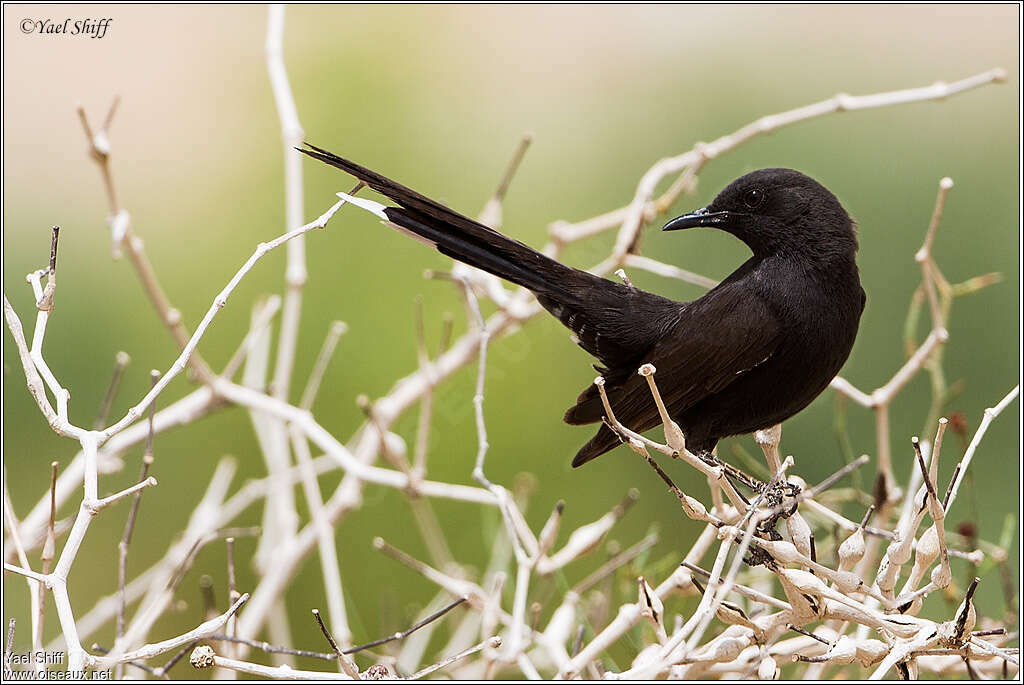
[164, 54]
[186, 72]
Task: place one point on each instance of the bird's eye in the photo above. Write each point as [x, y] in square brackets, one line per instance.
[753, 198]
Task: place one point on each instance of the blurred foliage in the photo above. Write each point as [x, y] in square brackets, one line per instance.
[438, 96]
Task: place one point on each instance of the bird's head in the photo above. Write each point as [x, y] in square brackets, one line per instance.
[778, 211]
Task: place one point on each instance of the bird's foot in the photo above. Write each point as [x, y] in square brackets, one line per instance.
[783, 495]
[782, 500]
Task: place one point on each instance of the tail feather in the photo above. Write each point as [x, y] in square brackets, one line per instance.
[605, 441]
[458, 236]
[579, 299]
[588, 408]
[407, 197]
[490, 256]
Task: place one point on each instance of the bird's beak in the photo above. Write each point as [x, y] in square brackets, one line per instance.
[701, 217]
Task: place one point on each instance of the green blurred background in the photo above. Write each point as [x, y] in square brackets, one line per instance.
[438, 96]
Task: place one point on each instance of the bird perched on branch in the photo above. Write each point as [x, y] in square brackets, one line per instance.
[750, 353]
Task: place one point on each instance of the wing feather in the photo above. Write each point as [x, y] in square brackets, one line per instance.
[711, 343]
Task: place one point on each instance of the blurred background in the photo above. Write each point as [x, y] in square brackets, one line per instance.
[438, 97]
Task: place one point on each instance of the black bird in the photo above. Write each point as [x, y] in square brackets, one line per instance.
[750, 353]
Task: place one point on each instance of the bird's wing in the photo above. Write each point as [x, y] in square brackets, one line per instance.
[616, 323]
[711, 342]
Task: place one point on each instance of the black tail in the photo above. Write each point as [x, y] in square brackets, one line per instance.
[460, 237]
[603, 315]
[605, 441]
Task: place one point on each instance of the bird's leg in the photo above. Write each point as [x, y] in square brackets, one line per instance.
[775, 495]
[733, 473]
